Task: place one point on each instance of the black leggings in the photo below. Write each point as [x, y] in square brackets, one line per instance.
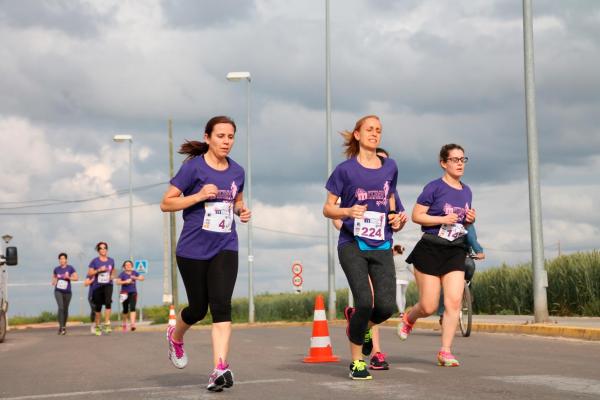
[62, 299]
[129, 303]
[209, 283]
[359, 266]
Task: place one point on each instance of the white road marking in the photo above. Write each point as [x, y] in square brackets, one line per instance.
[556, 382]
[410, 369]
[126, 390]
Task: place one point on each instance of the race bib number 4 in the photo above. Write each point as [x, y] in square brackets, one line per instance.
[452, 231]
[104, 277]
[62, 284]
[370, 226]
[218, 217]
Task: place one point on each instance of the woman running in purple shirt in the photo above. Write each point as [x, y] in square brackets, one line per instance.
[366, 184]
[444, 211]
[208, 188]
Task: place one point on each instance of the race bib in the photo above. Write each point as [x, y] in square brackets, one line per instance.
[452, 231]
[370, 226]
[123, 297]
[218, 217]
[62, 284]
[104, 277]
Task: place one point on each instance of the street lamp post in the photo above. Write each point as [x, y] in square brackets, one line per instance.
[129, 139]
[235, 77]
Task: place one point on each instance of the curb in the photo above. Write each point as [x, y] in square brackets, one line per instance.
[549, 330]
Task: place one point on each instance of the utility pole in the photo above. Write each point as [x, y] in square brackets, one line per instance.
[540, 276]
[167, 295]
[174, 292]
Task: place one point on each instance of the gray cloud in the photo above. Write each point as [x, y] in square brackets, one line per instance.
[193, 14]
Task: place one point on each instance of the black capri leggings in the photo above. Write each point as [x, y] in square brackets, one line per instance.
[130, 302]
[359, 266]
[209, 283]
[102, 296]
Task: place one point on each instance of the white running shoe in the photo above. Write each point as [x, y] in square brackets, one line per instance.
[220, 378]
[176, 353]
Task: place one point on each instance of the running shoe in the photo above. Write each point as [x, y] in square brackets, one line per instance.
[447, 359]
[59, 331]
[348, 313]
[92, 328]
[98, 330]
[404, 327]
[106, 328]
[367, 347]
[359, 371]
[176, 353]
[133, 328]
[378, 361]
[63, 331]
[124, 327]
[220, 378]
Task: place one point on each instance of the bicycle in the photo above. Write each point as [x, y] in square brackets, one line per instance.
[465, 319]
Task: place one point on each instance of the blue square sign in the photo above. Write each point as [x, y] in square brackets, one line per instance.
[140, 266]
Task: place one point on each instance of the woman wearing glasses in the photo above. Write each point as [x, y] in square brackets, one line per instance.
[444, 212]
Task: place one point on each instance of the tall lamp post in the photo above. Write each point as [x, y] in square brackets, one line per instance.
[236, 77]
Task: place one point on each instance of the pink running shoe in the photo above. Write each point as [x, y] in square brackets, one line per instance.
[176, 353]
[447, 359]
[404, 327]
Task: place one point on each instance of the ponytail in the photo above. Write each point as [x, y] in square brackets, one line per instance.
[193, 148]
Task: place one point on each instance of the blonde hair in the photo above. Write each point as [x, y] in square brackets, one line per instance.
[351, 145]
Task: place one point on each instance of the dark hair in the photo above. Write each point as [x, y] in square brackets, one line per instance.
[350, 142]
[62, 255]
[398, 249]
[125, 262]
[101, 243]
[445, 150]
[382, 150]
[194, 148]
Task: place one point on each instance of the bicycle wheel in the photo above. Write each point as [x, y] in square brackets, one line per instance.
[466, 312]
[2, 326]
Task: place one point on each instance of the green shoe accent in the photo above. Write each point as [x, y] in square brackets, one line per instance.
[359, 371]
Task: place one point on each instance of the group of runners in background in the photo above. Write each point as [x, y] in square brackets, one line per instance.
[364, 205]
[100, 278]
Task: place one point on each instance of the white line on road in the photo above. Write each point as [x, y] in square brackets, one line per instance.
[557, 382]
[410, 369]
[148, 388]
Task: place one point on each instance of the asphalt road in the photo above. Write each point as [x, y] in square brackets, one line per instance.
[267, 362]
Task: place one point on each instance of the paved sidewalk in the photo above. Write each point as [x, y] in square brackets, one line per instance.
[586, 328]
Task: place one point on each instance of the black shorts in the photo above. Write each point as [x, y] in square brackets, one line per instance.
[102, 296]
[436, 256]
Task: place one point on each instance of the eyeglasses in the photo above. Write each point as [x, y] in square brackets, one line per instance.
[456, 160]
[102, 248]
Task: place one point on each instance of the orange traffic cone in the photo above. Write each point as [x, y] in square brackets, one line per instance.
[172, 316]
[320, 343]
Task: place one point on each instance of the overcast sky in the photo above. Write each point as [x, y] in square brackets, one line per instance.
[74, 73]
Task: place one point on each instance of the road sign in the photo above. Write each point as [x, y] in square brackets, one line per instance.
[140, 266]
[297, 268]
[297, 280]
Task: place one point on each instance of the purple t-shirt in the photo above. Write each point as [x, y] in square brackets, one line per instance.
[102, 278]
[442, 199]
[199, 240]
[130, 288]
[355, 184]
[64, 283]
